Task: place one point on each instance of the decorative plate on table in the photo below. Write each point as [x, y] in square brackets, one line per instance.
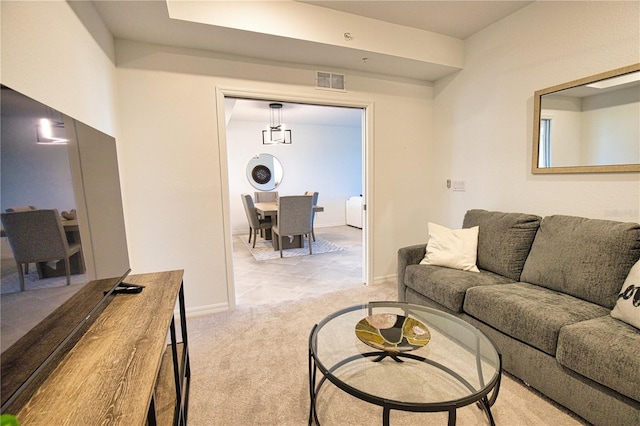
[392, 332]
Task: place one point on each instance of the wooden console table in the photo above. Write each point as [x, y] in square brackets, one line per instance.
[122, 372]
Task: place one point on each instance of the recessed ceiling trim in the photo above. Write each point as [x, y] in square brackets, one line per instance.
[300, 21]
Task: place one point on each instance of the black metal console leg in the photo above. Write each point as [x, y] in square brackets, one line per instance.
[151, 414]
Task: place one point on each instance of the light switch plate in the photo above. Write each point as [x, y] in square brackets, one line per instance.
[458, 185]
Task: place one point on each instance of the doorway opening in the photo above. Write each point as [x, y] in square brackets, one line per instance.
[326, 153]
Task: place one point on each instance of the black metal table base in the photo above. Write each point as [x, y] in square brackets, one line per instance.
[484, 402]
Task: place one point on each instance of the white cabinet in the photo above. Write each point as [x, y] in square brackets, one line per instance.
[354, 212]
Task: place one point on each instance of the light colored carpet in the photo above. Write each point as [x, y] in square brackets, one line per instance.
[264, 248]
[250, 367]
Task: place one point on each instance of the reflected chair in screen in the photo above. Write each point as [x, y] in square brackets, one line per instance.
[266, 196]
[38, 236]
[255, 223]
[294, 218]
[314, 202]
[21, 209]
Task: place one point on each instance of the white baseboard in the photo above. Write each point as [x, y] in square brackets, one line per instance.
[328, 225]
[201, 311]
[385, 279]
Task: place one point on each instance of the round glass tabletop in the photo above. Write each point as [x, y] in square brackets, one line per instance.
[403, 356]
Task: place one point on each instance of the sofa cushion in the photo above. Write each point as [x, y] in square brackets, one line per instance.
[447, 286]
[529, 313]
[605, 350]
[627, 307]
[504, 240]
[586, 258]
[452, 248]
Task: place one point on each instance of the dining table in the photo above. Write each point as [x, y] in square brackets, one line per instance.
[270, 209]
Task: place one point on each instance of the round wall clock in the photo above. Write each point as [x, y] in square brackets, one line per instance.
[261, 174]
[264, 172]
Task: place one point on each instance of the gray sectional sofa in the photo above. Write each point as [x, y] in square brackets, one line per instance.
[544, 294]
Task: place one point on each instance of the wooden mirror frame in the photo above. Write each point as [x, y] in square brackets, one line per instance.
[537, 99]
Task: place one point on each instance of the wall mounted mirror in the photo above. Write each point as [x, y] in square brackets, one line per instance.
[264, 172]
[589, 125]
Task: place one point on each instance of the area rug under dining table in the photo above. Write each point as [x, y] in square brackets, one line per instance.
[264, 248]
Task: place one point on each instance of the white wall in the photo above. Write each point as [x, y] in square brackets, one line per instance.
[172, 156]
[479, 127]
[326, 159]
[566, 131]
[611, 125]
[484, 114]
[601, 129]
[51, 56]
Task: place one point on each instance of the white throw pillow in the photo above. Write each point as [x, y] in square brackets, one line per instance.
[455, 249]
[627, 307]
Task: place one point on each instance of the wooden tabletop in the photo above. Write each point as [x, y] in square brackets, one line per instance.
[271, 208]
[109, 375]
[69, 222]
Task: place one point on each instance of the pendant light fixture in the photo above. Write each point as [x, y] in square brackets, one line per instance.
[276, 133]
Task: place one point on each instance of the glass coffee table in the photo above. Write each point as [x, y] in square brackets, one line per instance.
[404, 357]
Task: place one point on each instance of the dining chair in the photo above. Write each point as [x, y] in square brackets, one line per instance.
[265, 196]
[294, 218]
[255, 223]
[38, 236]
[314, 202]
[21, 209]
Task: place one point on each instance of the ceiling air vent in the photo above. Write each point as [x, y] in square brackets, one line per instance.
[330, 81]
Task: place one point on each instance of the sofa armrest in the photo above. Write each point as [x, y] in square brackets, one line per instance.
[411, 255]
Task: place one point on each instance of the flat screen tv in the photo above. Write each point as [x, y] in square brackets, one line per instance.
[52, 161]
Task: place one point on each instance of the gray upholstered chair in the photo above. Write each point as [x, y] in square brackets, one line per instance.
[265, 196]
[294, 218]
[20, 209]
[38, 236]
[314, 202]
[255, 223]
